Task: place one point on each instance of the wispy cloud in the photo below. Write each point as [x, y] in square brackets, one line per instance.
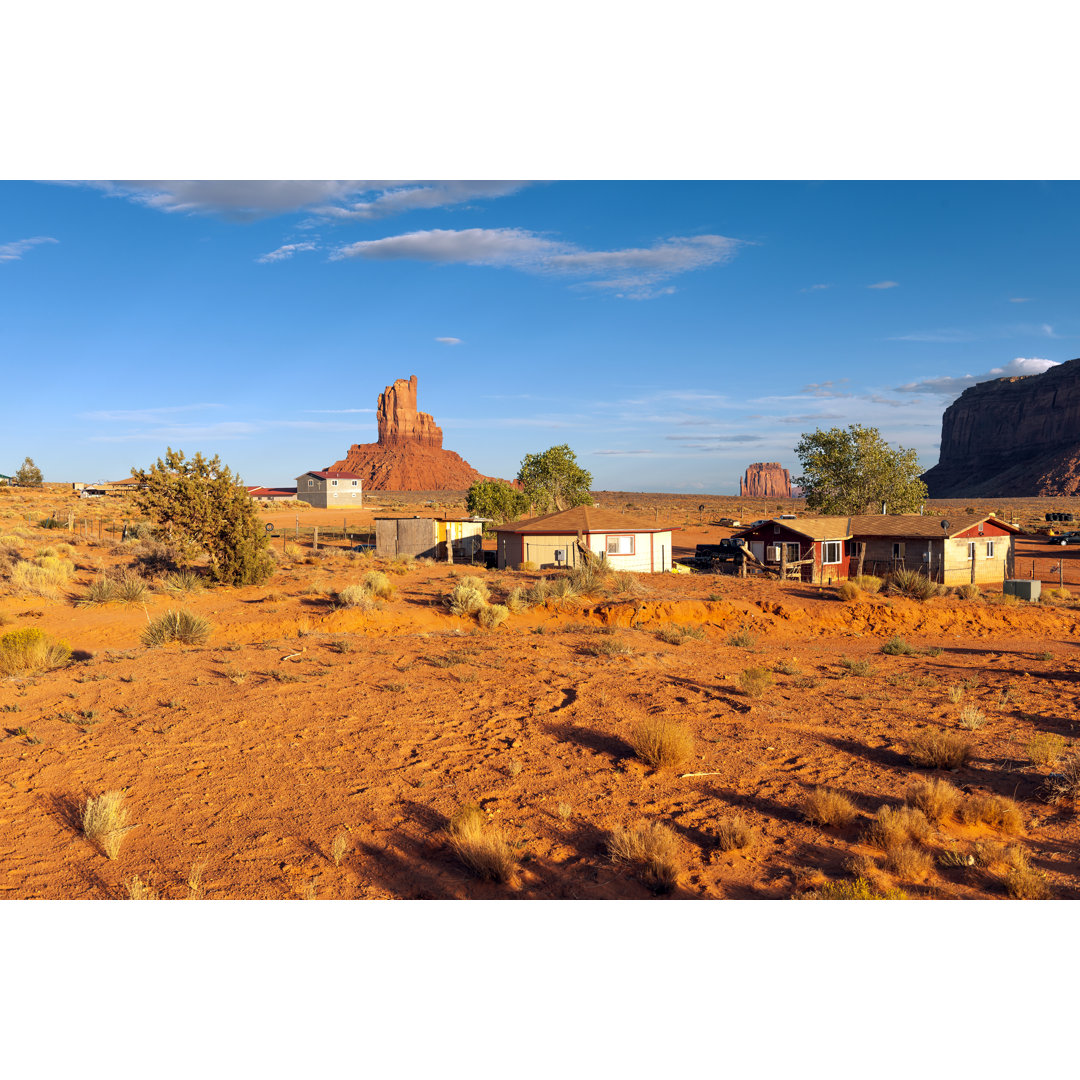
[251, 200]
[339, 410]
[152, 414]
[14, 249]
[1019, 299]
[826, 389]
[286, 251]
[947, 336]
[949, 386]
[630, 272]
[884, 285]
[449, 340]
[621, 453]
[815, 288]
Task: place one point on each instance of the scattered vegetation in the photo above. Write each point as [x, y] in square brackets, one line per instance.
[183, 626]
[856, 667]
[492, 615]
[136, 890]
[124, 587]
[1024, 882]
[104, 822]
[897, 646]
[997, 811]
[627, 583]
[734, 833]
[661, 743]
[859, 889]
[341, 847]
[742, 639]
[824, 807]
[653, 849]
[1064, 784]
[29, 651]
[1046, 748]
[678, 634]
[972, 718]
[380, 586]
[847, 591]
[754, 681]
[181, 582]
[893, 826]
[939, 750]
[481, 848]
[908, 862]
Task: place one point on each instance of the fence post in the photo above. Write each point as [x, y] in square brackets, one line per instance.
[315, 539]
[1061, 574]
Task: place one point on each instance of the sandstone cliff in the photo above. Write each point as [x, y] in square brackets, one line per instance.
[409, 454]
[1016, 436]
[766, 480]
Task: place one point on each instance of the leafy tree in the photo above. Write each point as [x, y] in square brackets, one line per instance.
[28, 474]
[497, 500]
[554, 480]
[206, 508]
[854, 471]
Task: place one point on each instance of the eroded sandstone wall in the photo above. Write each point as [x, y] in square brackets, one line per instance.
[766, 480]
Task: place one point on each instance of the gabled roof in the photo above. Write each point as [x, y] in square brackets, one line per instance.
[327, 474]
[813, 528]
[585, 519]
[924, 526]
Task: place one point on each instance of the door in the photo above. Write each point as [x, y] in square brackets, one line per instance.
[757, 549]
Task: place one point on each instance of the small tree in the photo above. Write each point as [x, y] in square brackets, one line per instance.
[854, 471]
[207, 508]
[497, 500]
[553, 480]
[28, 474]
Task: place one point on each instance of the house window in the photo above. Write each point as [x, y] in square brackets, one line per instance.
[989, 549]
[793, 552]
[620, 545]
[830, 552]
[311, 483]
[354, 483]
[898, 551]
[971, 550]
[980, 528]
[333, 483]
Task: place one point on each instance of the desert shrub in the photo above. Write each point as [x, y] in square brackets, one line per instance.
[824, 807]
[1045, 748]
[859, 889]
[29, 650]
[754, 681]
[897, 646]
[939, 750]
[540, 591]
[183, 626]
[997, 811]
[355, 596]
[936, 798]
[492, 615]
[101, 591]
[972, 718]
[847, 592]
[340, 847]
[528, 565]
[742, 639]
[516, 599]
[788, 667]
[563, 588]
[482, 849]
[733, 833]
[42, 575]
[1064, 784]
[181, 582]
[1024, 882]
[868, 583]
[608, 646]
[913, 584]
[676, 633]
[378, 584]
[153, 558]
[956, 694]
[465, 600]
[661, 743]
[908, 862]
[653, 849]
[968, 592]
[123, 587]
[590, 575]
[104, 822]
[892, 826]
[856, 667]
[136, 890]
[627, 583]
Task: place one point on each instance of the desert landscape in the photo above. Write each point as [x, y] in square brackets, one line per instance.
[633, 736]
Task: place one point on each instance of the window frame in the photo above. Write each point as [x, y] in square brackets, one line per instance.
[825, 545]
[989, 549]
[619, 536]
[971, 551]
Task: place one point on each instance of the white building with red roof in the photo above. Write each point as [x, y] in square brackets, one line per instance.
[330, 490]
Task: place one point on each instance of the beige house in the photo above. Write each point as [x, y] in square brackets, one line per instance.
[330, 490]
[628, 542]
[448, 539]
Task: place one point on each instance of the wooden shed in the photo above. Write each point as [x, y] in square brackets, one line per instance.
[628, 542]
[448, 539]
[807, 549]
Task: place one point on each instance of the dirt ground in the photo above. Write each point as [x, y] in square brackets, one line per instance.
[299, 722]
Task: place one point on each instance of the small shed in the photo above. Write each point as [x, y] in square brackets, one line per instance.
[330, 490]
[956, 549]
[628, 542]
[274, 494]
[448, 539]
[809, 548]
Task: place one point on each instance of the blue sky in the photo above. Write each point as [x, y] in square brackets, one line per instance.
[671, 333]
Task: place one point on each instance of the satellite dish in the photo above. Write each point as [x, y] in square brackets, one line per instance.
[944, 524]
[702, 508]
[269, 527]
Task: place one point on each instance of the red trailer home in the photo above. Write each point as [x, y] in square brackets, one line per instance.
[827, 540]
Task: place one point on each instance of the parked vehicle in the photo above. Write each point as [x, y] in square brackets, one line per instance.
[1067, 538]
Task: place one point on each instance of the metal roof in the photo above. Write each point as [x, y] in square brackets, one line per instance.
[585, 519]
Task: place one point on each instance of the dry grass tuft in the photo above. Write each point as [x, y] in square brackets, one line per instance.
[734, 832]
[1064, 785]
[972, 718]
[868, 583]
[997, 811]
[893, 826]
[677, 634]
[663, 744]
[1046, 748]
[379, 585]
[29, 651]
[848, 592]
[824, 807]
[968, 592]
[653, 849]
[627, 583]
[482, 849]
[897, 646]
[355, 596]
[183, 626]
[913, 584]
[939, 750]
[909, 862]
[1024, 882]
[492, 615]
[754, 681]
[104, 822]
[136, 890]
[859, 889]
[341, 846]
[956, 694]
[936, 798]
[194, 879]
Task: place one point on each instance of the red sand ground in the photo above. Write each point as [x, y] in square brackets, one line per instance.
[252, 753]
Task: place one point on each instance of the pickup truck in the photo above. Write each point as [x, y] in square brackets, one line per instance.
[729, 550]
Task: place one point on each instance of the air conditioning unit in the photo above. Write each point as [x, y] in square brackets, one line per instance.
[772, 553]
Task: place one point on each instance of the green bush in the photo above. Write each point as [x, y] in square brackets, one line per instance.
[913, 584]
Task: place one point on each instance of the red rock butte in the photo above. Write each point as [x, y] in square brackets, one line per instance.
[766, 480]
[409, 455]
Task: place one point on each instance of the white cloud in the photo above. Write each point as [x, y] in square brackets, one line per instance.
[825, 389]
[248, 200]
[1019, 299]
[286, 251]
[884, 285]
[449, 340]
[13, 251]
[153, 414]
[815, 288]
[631, 271]
[950, 386]
[621, 453]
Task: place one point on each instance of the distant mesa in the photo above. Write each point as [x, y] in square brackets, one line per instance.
[409, 455]
[1018, 436]
[766, 480]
